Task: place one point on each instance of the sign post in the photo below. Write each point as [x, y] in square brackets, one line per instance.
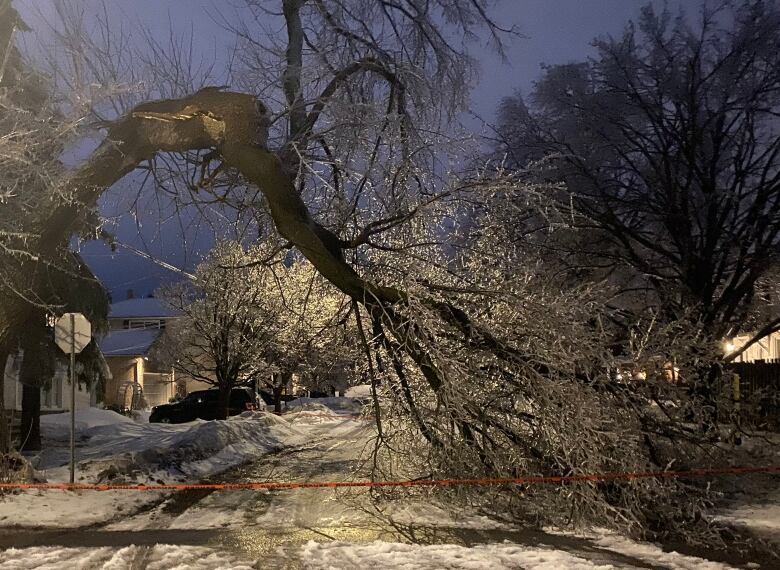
[72, 332]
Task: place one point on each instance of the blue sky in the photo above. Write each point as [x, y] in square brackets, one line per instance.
[554, 31]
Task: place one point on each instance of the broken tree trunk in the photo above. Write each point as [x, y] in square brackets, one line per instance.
[234, 124]
[30, 434]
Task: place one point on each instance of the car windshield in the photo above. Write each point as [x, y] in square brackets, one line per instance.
[240, 396]
[236, 396]
[195, 396]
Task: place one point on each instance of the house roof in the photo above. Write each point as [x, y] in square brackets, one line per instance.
[128, 342]
[141, 308]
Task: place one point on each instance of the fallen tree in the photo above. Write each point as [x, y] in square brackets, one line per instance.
[482, 403]
[488, 372]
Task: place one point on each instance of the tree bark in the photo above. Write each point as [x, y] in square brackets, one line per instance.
[30, 436]
[226, 121]
[223, 401]
[277, 393]
[5, 432]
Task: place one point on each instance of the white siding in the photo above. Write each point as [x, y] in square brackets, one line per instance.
[55, 399]
[767, 348]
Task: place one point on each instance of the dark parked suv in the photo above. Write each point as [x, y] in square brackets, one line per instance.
[202, 404]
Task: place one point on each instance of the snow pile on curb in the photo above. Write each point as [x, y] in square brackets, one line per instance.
[57, 426]
[359, 391]
[127, 451]
[116, 449]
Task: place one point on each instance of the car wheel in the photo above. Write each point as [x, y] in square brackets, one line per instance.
[165, 420]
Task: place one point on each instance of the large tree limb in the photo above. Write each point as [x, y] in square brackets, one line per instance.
[209, 119]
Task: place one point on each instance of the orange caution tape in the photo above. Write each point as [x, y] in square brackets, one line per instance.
[270, 486]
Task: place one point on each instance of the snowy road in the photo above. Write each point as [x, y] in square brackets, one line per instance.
[318, 528]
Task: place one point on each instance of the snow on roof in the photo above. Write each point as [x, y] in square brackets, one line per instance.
[128, 342]
[137, 308]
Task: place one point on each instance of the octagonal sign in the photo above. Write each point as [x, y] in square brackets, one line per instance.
[82, 331]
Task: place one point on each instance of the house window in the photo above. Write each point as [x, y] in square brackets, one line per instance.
[144, 324]
[56, 389]
[46, 397]
[52, 396]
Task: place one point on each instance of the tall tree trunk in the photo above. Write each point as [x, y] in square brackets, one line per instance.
[223, 400]
[277, 399]
[31, 418]
[5, 432]
[279, 381]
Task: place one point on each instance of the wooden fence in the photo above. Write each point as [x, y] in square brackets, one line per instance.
[759, 387]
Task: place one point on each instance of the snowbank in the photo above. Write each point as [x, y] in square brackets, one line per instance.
[311, 412]
[129, 451]
[308, 405]
[654, 555]
[398, 556]
[359, 391]
[761, 516]
[119, 450]
[55, 425]
[141, 416]
[340, 555]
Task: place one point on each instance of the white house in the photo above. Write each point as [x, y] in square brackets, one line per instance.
[766, 348]
[54, 399]
[135, 325]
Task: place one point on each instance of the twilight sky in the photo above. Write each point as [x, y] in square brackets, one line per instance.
[555, 31]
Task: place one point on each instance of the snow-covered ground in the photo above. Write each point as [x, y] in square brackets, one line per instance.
[340, 555]
[159, 557]
[758, 512]
[309, 528]
[113, 448]
[380, 555]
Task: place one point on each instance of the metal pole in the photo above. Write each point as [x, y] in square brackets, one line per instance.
[72, 398]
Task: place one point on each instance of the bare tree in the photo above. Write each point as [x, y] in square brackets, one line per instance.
[312, 328]
[227, 322]
[249, 316]
[667, 143]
